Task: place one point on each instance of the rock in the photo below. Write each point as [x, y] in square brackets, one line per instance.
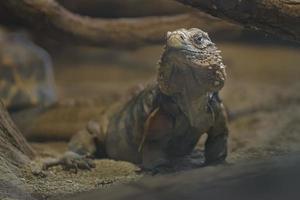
[25, 73]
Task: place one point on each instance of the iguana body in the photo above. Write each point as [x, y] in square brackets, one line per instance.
[165, 120]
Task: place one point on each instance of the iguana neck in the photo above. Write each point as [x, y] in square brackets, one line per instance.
[194, 108]
[190, 95]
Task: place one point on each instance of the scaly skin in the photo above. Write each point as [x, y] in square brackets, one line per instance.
[165, 120]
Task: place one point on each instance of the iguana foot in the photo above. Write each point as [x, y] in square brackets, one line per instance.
[71, 161]
[196, 158]
[159, 168]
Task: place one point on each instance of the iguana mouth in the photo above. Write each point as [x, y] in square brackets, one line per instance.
[176, 40]
[191, 40]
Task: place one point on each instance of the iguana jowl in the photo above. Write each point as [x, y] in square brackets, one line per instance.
[166, 119]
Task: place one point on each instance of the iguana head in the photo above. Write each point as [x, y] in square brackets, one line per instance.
[191, 61]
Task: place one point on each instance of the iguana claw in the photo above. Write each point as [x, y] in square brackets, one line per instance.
[71, 161]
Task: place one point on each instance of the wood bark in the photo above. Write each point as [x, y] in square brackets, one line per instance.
[274, 179]
[12, 141]
[50, 18]
[15, 152]
[124, 8]
[278, 17]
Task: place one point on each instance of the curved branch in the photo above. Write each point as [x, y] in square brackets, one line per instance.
[278, 17]
[51, 18]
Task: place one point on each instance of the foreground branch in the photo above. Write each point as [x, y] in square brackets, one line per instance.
[12, 143]
[233, 181]
[15, 153]
[278, 17]
[51, 18]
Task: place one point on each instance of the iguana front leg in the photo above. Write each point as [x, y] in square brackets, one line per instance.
[154, 158]
[154, 142]
[83, 145]
[70, 161]
[216, 142]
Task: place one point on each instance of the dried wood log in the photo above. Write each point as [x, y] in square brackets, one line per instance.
[49, 17]
[278, 17]
[15, 152]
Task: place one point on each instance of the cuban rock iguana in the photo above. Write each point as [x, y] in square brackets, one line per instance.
[165, 120]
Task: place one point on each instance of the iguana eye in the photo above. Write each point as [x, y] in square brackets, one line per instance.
[198, 39]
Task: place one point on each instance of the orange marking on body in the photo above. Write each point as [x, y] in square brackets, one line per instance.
[156, 124]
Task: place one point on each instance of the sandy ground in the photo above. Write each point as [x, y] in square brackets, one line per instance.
[274, 179]
[262, 95]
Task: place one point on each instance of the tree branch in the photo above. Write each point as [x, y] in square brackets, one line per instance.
[15, 153]
[12, 141]
[51, 18]
[278, 17]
